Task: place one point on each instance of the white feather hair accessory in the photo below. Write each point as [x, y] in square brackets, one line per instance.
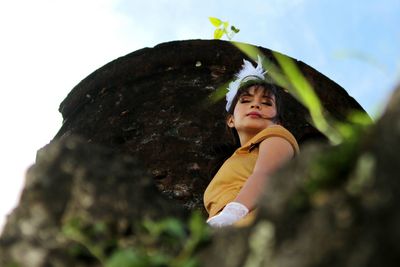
[246, 74]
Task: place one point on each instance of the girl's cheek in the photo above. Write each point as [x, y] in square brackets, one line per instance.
[272, 112]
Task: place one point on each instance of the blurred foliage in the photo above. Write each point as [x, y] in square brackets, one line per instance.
[92, 238]
[362, 57]
[327, 169]
[305, 94]
[167, 242]
[341, 165]
[288, 76]
[222, 28]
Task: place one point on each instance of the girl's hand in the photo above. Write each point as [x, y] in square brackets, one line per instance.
[232, 212]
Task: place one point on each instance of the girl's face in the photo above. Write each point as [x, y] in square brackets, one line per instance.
[254, 111]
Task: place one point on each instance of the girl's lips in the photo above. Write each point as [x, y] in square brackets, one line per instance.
[254, 114]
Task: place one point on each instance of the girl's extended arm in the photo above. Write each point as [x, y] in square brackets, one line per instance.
[273, 152]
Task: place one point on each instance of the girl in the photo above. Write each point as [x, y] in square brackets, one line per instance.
[253, 116]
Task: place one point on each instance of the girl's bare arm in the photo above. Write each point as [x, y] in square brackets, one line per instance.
[273, 152]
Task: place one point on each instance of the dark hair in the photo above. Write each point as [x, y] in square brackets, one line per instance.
[270, 90]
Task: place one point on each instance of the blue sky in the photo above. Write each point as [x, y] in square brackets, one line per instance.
[48, 46]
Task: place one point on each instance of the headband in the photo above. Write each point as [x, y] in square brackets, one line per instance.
[247, 76]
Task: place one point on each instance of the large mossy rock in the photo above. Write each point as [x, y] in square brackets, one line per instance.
[80, 187]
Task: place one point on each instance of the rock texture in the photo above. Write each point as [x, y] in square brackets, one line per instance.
[73, 180]
[138, 141]
[155, 104]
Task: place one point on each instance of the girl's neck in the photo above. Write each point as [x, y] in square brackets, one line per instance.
[246, 136]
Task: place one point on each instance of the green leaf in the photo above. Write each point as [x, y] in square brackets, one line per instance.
[170, 226]
[226, 25]
[304, 92]
[215, 21]
[218, 94]
[294, 81]
[234, 29]
[126, 258]
[192, 262]
[218, 33]
[250, 50]
[360, 118]
[99, 228]
[175, 228]
[197, 225]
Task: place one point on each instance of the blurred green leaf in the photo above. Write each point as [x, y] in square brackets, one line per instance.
[362, 57]
[234, 29]
[294, 81]
[250, 50]
[360, 118]
[131, 258]
[363, 174]
[218, 94]
[125, 258]
[74, 229]
[304, 92]
[169, 226]
[198, 228]
[291, 79]
[215, 21]
[99, 227]
[191, 262]
[218, 33]
[175, 228]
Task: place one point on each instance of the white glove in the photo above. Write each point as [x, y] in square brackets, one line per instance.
[232, 212]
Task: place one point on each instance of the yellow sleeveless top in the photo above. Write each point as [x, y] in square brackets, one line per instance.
[232, 175]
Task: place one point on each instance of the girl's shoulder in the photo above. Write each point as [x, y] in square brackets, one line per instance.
[273, 131]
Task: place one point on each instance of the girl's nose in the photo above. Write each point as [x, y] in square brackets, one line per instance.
[255, 105]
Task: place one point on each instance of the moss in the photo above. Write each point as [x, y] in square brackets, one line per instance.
[261, 242]
[334, 167]
[363, 174]
[167, 242]
[330, 169]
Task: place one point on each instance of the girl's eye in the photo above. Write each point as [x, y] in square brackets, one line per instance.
[244, 100]
[268, 103]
